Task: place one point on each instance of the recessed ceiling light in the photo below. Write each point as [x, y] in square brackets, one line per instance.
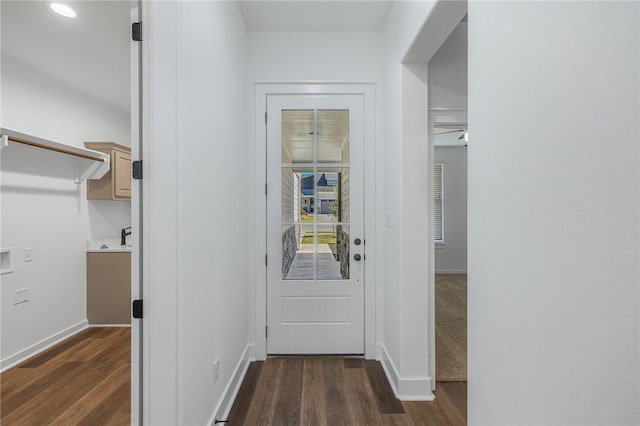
[63, 10]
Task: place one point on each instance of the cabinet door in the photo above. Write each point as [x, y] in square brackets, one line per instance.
[122, 174]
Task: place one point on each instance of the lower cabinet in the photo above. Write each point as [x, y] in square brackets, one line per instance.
[109, 288]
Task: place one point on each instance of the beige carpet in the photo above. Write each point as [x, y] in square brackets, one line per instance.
[451, 327]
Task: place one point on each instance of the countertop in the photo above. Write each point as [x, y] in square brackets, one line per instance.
[107, 246]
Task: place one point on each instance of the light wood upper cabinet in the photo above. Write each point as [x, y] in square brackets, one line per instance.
[116, 184]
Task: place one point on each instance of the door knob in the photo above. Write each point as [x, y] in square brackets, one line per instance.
[357, 257]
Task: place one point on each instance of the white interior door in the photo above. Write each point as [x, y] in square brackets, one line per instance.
[136, 218]
[315, 241]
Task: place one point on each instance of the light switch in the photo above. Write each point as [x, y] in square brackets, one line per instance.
[387, 219]
[28, 254]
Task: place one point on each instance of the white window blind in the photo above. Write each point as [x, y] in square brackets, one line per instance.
[438, 202]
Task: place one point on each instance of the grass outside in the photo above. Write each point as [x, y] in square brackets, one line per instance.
[304, 217]
[326, 237]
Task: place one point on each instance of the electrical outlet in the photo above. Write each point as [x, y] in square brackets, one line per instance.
[28, 254]
[216, 371]
[20, 296]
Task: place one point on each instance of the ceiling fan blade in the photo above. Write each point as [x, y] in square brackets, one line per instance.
[450, 131]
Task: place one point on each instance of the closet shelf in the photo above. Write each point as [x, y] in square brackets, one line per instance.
[90, 164]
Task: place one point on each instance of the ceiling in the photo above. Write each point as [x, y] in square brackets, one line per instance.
[315, 15]
[89, 52]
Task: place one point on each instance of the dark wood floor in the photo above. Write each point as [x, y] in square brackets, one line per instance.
[84, 380]
[335, 391]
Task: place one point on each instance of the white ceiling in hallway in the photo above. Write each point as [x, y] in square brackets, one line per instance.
[315, 15]
[89, 52]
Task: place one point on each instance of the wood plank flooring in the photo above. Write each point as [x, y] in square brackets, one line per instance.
[84, 380]
[337, 391]
[451, 327]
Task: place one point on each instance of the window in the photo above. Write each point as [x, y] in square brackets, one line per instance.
[438, 203]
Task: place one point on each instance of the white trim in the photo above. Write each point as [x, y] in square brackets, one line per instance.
[41, 346]
[135, 49]
[405, 389]
[443, 109]
[110, 326]
[161, 378]
[293, 88]
[451, 271]
[221, 412]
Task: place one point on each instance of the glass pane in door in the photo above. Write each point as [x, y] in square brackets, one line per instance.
[315, 195]
[298, 136]
[298, 252]
[332, 248]
[332, 135]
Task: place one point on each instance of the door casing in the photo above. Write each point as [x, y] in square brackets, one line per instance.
[262, 90]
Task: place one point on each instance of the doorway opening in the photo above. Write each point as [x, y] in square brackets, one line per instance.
[70, 80]
[450, 240]
[312, 217]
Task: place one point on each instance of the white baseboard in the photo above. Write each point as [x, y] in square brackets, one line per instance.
[233, 386]
[23, 355]
[451, 271]
[405, 389]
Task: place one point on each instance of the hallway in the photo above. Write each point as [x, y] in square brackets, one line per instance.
[336, 391]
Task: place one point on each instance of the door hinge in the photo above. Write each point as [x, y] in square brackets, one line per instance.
[266, 331]
[265, 188]
[137, 308]
[265, 117]
[136, 31]
[265, 260]
[136, 169]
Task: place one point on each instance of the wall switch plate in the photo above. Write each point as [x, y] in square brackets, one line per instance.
[387, 219]
[216, 371]
[28, 254]
[20, 296]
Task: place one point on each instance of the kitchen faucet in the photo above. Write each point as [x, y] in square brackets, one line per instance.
[123, 236]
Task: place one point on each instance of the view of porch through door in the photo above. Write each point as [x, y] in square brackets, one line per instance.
[315, 199]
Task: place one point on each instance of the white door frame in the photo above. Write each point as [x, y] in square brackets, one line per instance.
[160, 375]
[262, 90]
[136, 219]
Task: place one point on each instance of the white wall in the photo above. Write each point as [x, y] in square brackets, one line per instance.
[201, 293]
[212, 217]
[451, 257]
[286, 57]
[406, 271]
[40, 209]
[553, 213]
[448, 71]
